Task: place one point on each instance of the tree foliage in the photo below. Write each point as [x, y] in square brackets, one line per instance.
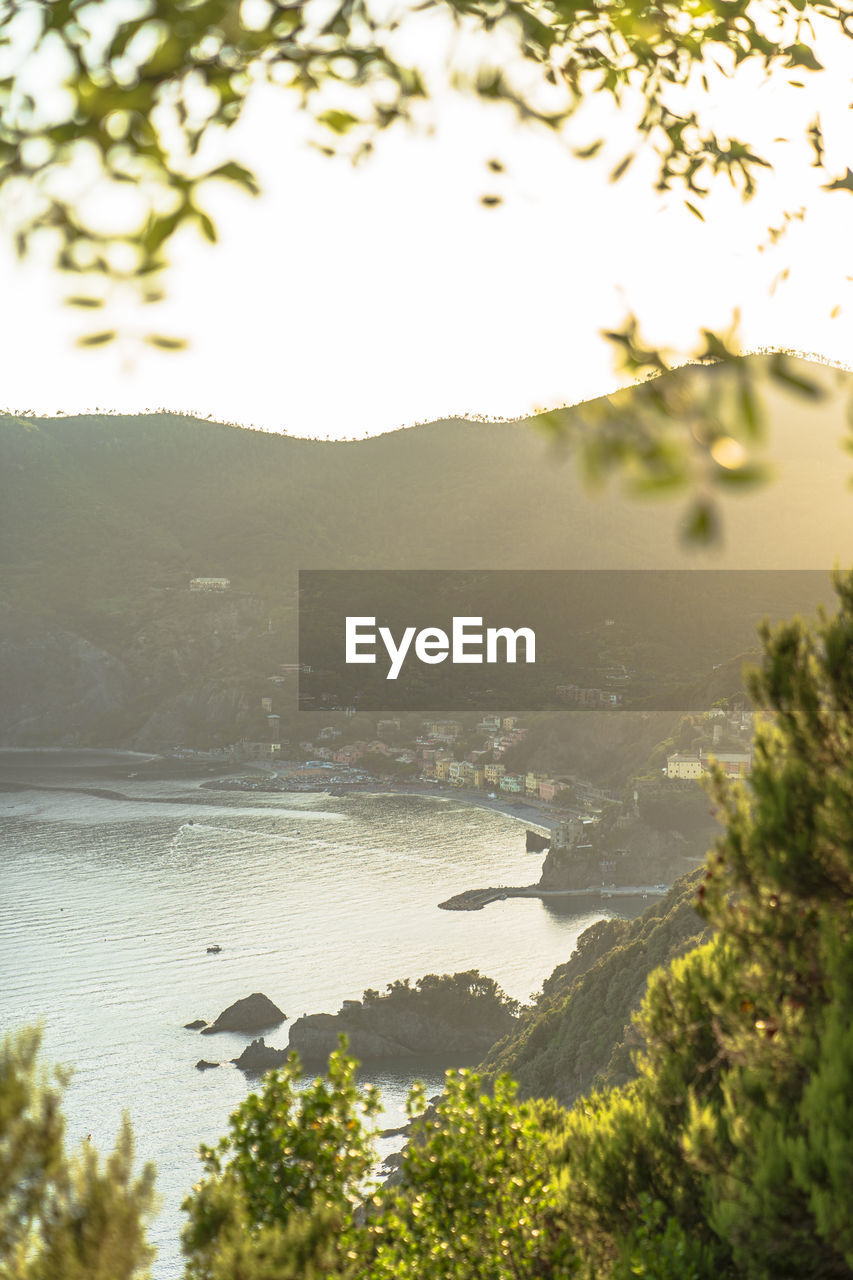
[470, 996]
[745, 1068]
[580, 1032]
[280, 1190]
[63, 1215]
[148, 84]
[475, 1196]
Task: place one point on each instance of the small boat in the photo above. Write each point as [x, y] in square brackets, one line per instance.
[214, 950]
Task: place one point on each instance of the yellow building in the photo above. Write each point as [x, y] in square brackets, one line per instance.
[734, 764]
[684, 765]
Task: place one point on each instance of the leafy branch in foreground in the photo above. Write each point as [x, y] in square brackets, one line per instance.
[102, 98]
[693, 429]
[281, 1190]
[739, 1130]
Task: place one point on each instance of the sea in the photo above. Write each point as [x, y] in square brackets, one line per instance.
[108, 903]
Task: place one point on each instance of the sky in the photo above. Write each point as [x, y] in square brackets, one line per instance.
[347, 301]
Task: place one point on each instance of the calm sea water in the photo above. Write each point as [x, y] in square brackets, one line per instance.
[108, 906]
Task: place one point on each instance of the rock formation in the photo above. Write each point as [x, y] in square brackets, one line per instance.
[258, 1057]
[253, 1013]
[454, 1019]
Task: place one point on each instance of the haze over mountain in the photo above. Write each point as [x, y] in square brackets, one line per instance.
[106, 519]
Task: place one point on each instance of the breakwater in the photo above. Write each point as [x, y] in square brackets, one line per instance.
[476, 899]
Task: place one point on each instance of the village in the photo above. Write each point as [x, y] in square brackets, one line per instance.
[442, 756]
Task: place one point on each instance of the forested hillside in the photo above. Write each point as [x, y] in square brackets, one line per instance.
[104, 521]
[579, 1034]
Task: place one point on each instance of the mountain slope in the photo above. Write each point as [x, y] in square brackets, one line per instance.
[104, 520]
[579, 1033]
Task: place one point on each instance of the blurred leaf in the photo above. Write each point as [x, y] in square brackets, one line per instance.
[80, 301]
[621, 168]
[233, 172]
[780, 371]
[841, 184]
[752, 473]
[207, 227]
[97, 339]
[338, 121]
[166, 343]
[701, 524]
[160, 229]
[800, 55]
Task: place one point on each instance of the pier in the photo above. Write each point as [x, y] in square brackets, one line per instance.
[476, 899]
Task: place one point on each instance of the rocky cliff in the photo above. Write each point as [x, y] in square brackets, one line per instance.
[185, 680]
[630, 853]
[56, 685]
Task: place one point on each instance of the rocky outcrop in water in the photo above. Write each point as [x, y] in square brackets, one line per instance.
[258, 1057]
[453, 1019]
[253, 1013]
[571, 868]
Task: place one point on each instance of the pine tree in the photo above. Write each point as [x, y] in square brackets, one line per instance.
[739, 1132]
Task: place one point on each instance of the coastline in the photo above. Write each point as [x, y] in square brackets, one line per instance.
[212, 773]
[523, 811]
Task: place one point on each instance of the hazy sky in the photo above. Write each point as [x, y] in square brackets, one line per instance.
[347, 301]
